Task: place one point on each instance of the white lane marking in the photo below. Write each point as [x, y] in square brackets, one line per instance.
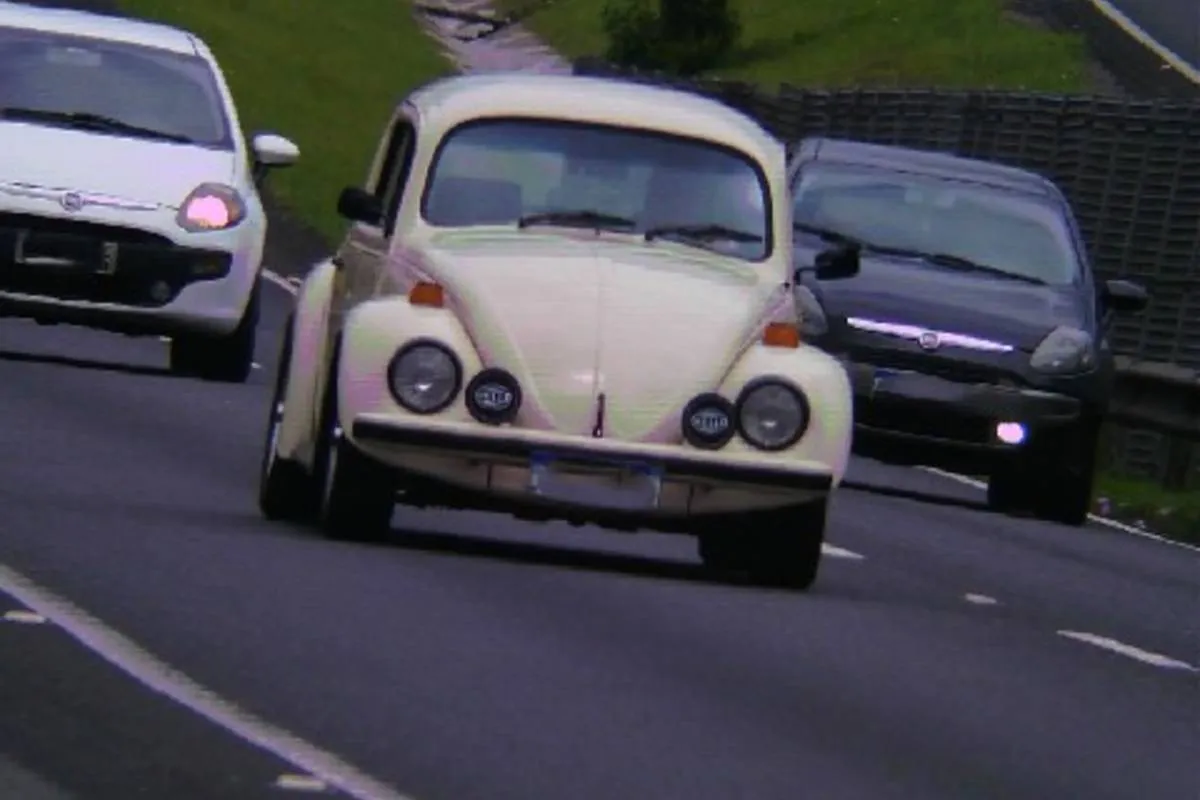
[1145, 656]
[838, 552]
[24, 617]
[1143, 38]
[1105, 521]
[300, 783]
[289, 285]
[255, 365]
[152, 673]
[980, 599]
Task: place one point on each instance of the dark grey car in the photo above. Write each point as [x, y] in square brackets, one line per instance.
[975, 333]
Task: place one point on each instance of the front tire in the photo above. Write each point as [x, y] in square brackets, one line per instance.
[286, 490]
[357, 493]
[224, 359]
[779, 548]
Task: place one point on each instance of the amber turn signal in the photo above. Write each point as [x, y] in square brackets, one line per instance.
[781, 334]
[427, 294]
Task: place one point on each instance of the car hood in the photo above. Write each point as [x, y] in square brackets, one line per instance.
[907, 292]
[142, 170]
[575, 315]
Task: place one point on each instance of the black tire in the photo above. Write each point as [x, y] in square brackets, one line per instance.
[286, 490]
[778, 548]
[225, 359]
[356, 494]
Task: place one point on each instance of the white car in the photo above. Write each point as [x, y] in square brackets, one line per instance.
[128, 193]
[566, 310]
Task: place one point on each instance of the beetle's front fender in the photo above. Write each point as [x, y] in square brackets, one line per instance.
[372, 335]
[825, 384]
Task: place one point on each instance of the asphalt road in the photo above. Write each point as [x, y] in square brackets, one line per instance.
[477, 657]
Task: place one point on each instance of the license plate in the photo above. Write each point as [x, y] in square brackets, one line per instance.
[915, 386]
[621, 485]
[42, 252]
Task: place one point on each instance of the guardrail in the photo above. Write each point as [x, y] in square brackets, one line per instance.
[1131, 168]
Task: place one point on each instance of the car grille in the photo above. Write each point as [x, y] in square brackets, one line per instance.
[149, 270]
[87, 230]
[913, 419]
[959, 370]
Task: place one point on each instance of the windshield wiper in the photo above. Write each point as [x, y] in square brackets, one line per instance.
[703, 232]
[90, 121]
[957, 262]
[581, 217]
[829, 234]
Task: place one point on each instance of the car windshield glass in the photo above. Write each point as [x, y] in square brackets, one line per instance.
[1008, 231]
[547, 172]
[135, 91]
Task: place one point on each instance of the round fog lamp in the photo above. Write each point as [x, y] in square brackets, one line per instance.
[708, 421]
[1010, 432]
[493, 396]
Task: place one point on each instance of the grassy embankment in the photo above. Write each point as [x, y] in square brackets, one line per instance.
[327, 74]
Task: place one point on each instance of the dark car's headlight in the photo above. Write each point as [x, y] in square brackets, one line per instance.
[1064, 351]
[771, 415]
[810, 316]
[424, 377]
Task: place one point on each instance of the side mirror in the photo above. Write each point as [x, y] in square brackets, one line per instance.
[359, 205]
[835, 264]
[1124, 297]
[272, 151]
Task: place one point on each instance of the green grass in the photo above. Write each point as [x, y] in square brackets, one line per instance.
[1172, 514]
[945, 43]
[325, 74]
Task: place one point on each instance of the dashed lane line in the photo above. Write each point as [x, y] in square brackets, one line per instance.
[1129, 651]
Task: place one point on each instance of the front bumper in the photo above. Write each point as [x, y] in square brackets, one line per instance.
[909, 417]
[121, 279]
[507, 463]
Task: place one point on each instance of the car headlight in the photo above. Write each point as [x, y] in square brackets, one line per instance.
[424, 377]
[1064, 351]
[810, 315]
[771, 415]
[211, 207]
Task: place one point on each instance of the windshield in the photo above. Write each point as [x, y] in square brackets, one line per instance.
[1013, 232]
[503, 171]
[139, 87]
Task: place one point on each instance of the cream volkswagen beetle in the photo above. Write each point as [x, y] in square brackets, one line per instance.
[564, 297]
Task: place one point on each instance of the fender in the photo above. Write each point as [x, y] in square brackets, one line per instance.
[824, 381]
[307, 370]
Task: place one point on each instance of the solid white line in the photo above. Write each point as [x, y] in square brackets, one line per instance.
[1145, 656]
[1143, 38]
[837, 552]
[981, 599]
[1105, 521]
[289, 285]
[131, 659]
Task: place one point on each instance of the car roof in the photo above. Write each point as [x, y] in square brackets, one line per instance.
[943, 165]
[446, 102]
[73, 22]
